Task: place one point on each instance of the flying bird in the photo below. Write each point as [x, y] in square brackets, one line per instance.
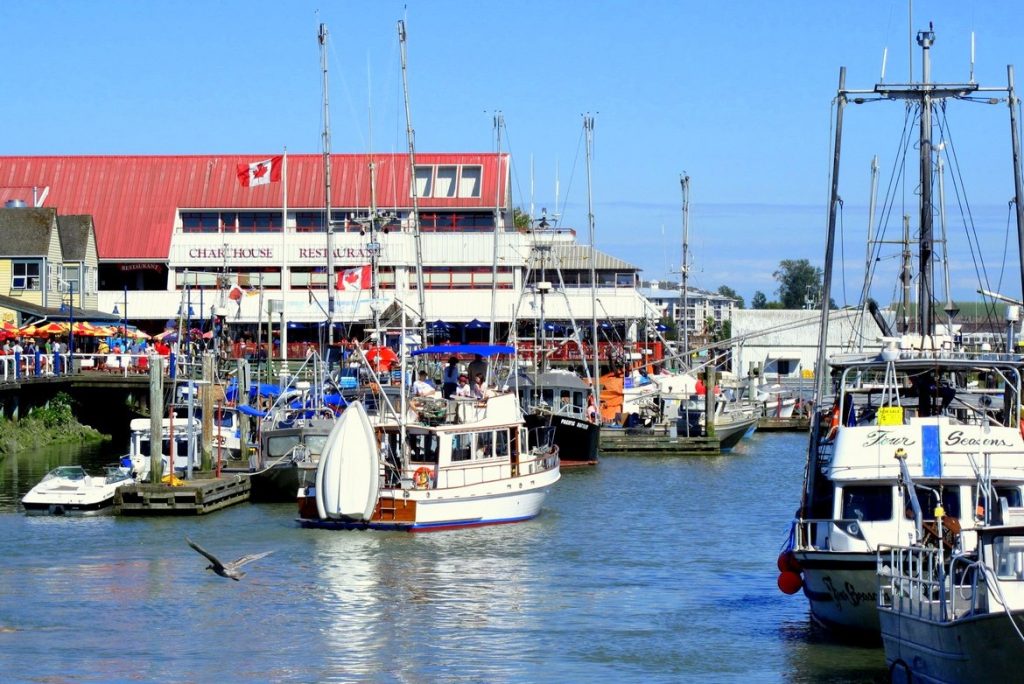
[232, 569]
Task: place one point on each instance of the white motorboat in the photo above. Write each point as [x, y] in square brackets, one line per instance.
[70, 490]
[445, 464]
[950, 618]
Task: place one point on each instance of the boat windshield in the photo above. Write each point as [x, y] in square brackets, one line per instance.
[116, 474]
[67, 472]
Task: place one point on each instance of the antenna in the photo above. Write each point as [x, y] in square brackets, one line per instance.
[556, 188]
[885, 58]
[971, 80]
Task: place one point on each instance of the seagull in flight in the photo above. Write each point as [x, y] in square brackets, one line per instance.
[232, 569]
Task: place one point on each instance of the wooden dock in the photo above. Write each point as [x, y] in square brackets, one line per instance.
[193, 497]
[656, 442]
[795, 424]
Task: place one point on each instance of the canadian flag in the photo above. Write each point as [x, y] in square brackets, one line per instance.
[235, 293]
[261, 172]
[357, 278]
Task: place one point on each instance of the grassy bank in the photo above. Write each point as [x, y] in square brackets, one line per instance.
[51, 424]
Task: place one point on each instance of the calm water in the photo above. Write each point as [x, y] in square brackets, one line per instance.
[642, 569]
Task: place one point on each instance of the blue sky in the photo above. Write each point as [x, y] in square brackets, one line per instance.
[736, 94]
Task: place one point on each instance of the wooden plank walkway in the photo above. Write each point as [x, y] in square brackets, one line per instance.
[194, 497]
[658, 442]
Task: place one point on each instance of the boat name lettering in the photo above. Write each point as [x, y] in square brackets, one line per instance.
[231, 253]
[887, 438]
[849, 594]
[957, 438]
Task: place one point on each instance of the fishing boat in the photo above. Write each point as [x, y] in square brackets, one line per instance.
[948, 618]
[70, 490]
[920, 406]
[437, 465]
[186, 440]
[731, 421]
[561, 400]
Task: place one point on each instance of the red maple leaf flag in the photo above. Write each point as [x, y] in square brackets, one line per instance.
[261, 172]
[235, 293]
[357, 278]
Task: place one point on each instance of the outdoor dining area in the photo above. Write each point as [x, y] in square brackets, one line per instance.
[45, 349]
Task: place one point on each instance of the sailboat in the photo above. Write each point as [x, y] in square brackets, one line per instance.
[919, 441]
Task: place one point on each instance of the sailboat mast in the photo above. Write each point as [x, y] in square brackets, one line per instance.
[925, 261]
[374, 250]
[588, 127]
[684, 269]
[327, 190]
[1017, 183]
[499, 123]
[410, 136]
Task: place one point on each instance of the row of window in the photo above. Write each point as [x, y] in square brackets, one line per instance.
[27, 274]
[448, 181]
[315, 277]
[875, 502]
[313, 221]
[581, 278]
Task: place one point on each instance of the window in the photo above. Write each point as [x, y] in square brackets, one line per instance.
[867, 502]
[501, 444]
[469, 182]
[624, 280]
[445, 183]
[259, 222]
[950, 503]
[214, 278]
[72, 279]
[423, 448]
[484, 445]
[315, 277]
[424, 178]
[200, 222]
[463, 278]
[309, 222]
[462, 446]
[1011, 494]
[25, 275]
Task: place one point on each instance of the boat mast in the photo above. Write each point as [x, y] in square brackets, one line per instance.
[374, 249]
[410, 135]
[499, 123]
[1018, 192]
[684, 269]
[327, 191]
[925, 261]
[588, 127]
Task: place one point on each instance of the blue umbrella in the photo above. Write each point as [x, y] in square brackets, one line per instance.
[440, 325]
[476, 324]
[661, 327]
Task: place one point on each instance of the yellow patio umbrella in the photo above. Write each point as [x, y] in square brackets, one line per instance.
[51, 328]
[28, 330]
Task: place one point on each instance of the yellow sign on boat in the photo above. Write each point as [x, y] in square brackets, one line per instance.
[890, 415]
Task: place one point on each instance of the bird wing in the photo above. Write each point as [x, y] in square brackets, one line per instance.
[213, 559]
[250, 558]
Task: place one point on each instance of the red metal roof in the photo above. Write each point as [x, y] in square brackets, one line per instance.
[133, 199]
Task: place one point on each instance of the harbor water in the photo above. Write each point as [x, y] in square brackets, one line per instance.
[641, 569]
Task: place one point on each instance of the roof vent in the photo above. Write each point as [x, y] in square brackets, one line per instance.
[15, 204]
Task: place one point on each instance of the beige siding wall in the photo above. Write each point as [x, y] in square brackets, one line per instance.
[92, 261]
[28, 296]
[54, 260]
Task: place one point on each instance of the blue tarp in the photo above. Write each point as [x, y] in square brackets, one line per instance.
[250, 411]
[263, 389]
[481, 349]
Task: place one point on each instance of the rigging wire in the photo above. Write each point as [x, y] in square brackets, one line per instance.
[572, 174]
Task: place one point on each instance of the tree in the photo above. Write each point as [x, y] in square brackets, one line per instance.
[727, 291]
[759, 301]
[798, 281]
[521, 219]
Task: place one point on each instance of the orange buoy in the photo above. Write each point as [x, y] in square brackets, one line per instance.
[790, 582]
[787, 562]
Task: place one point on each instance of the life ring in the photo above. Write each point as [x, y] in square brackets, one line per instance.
[422, 477]
[833, 427]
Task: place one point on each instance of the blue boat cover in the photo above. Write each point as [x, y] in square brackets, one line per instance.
[250, 411]
[481, 349]
[931, 453]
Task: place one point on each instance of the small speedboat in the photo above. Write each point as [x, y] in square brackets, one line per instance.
[69, 490]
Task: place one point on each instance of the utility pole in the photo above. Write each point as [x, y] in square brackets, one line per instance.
[329, 225]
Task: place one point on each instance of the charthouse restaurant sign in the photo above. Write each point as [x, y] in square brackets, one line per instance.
[268, 253]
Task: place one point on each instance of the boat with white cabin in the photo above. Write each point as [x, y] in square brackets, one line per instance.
[70, 490]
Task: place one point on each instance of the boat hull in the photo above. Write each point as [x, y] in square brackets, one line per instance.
[277, 484]
[730, 435]
[577, 439]
[842, 589]
[432, 510]
[981, 648]
[70, 508]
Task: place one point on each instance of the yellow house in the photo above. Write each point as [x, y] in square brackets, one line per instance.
[48, 265]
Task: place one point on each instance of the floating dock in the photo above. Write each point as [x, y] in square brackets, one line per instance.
[795, 424]
[192, 497]
[658, 441]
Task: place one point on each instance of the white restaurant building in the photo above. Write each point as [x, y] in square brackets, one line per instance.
[174, 232]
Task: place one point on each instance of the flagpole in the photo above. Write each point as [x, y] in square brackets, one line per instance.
[284, 223]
